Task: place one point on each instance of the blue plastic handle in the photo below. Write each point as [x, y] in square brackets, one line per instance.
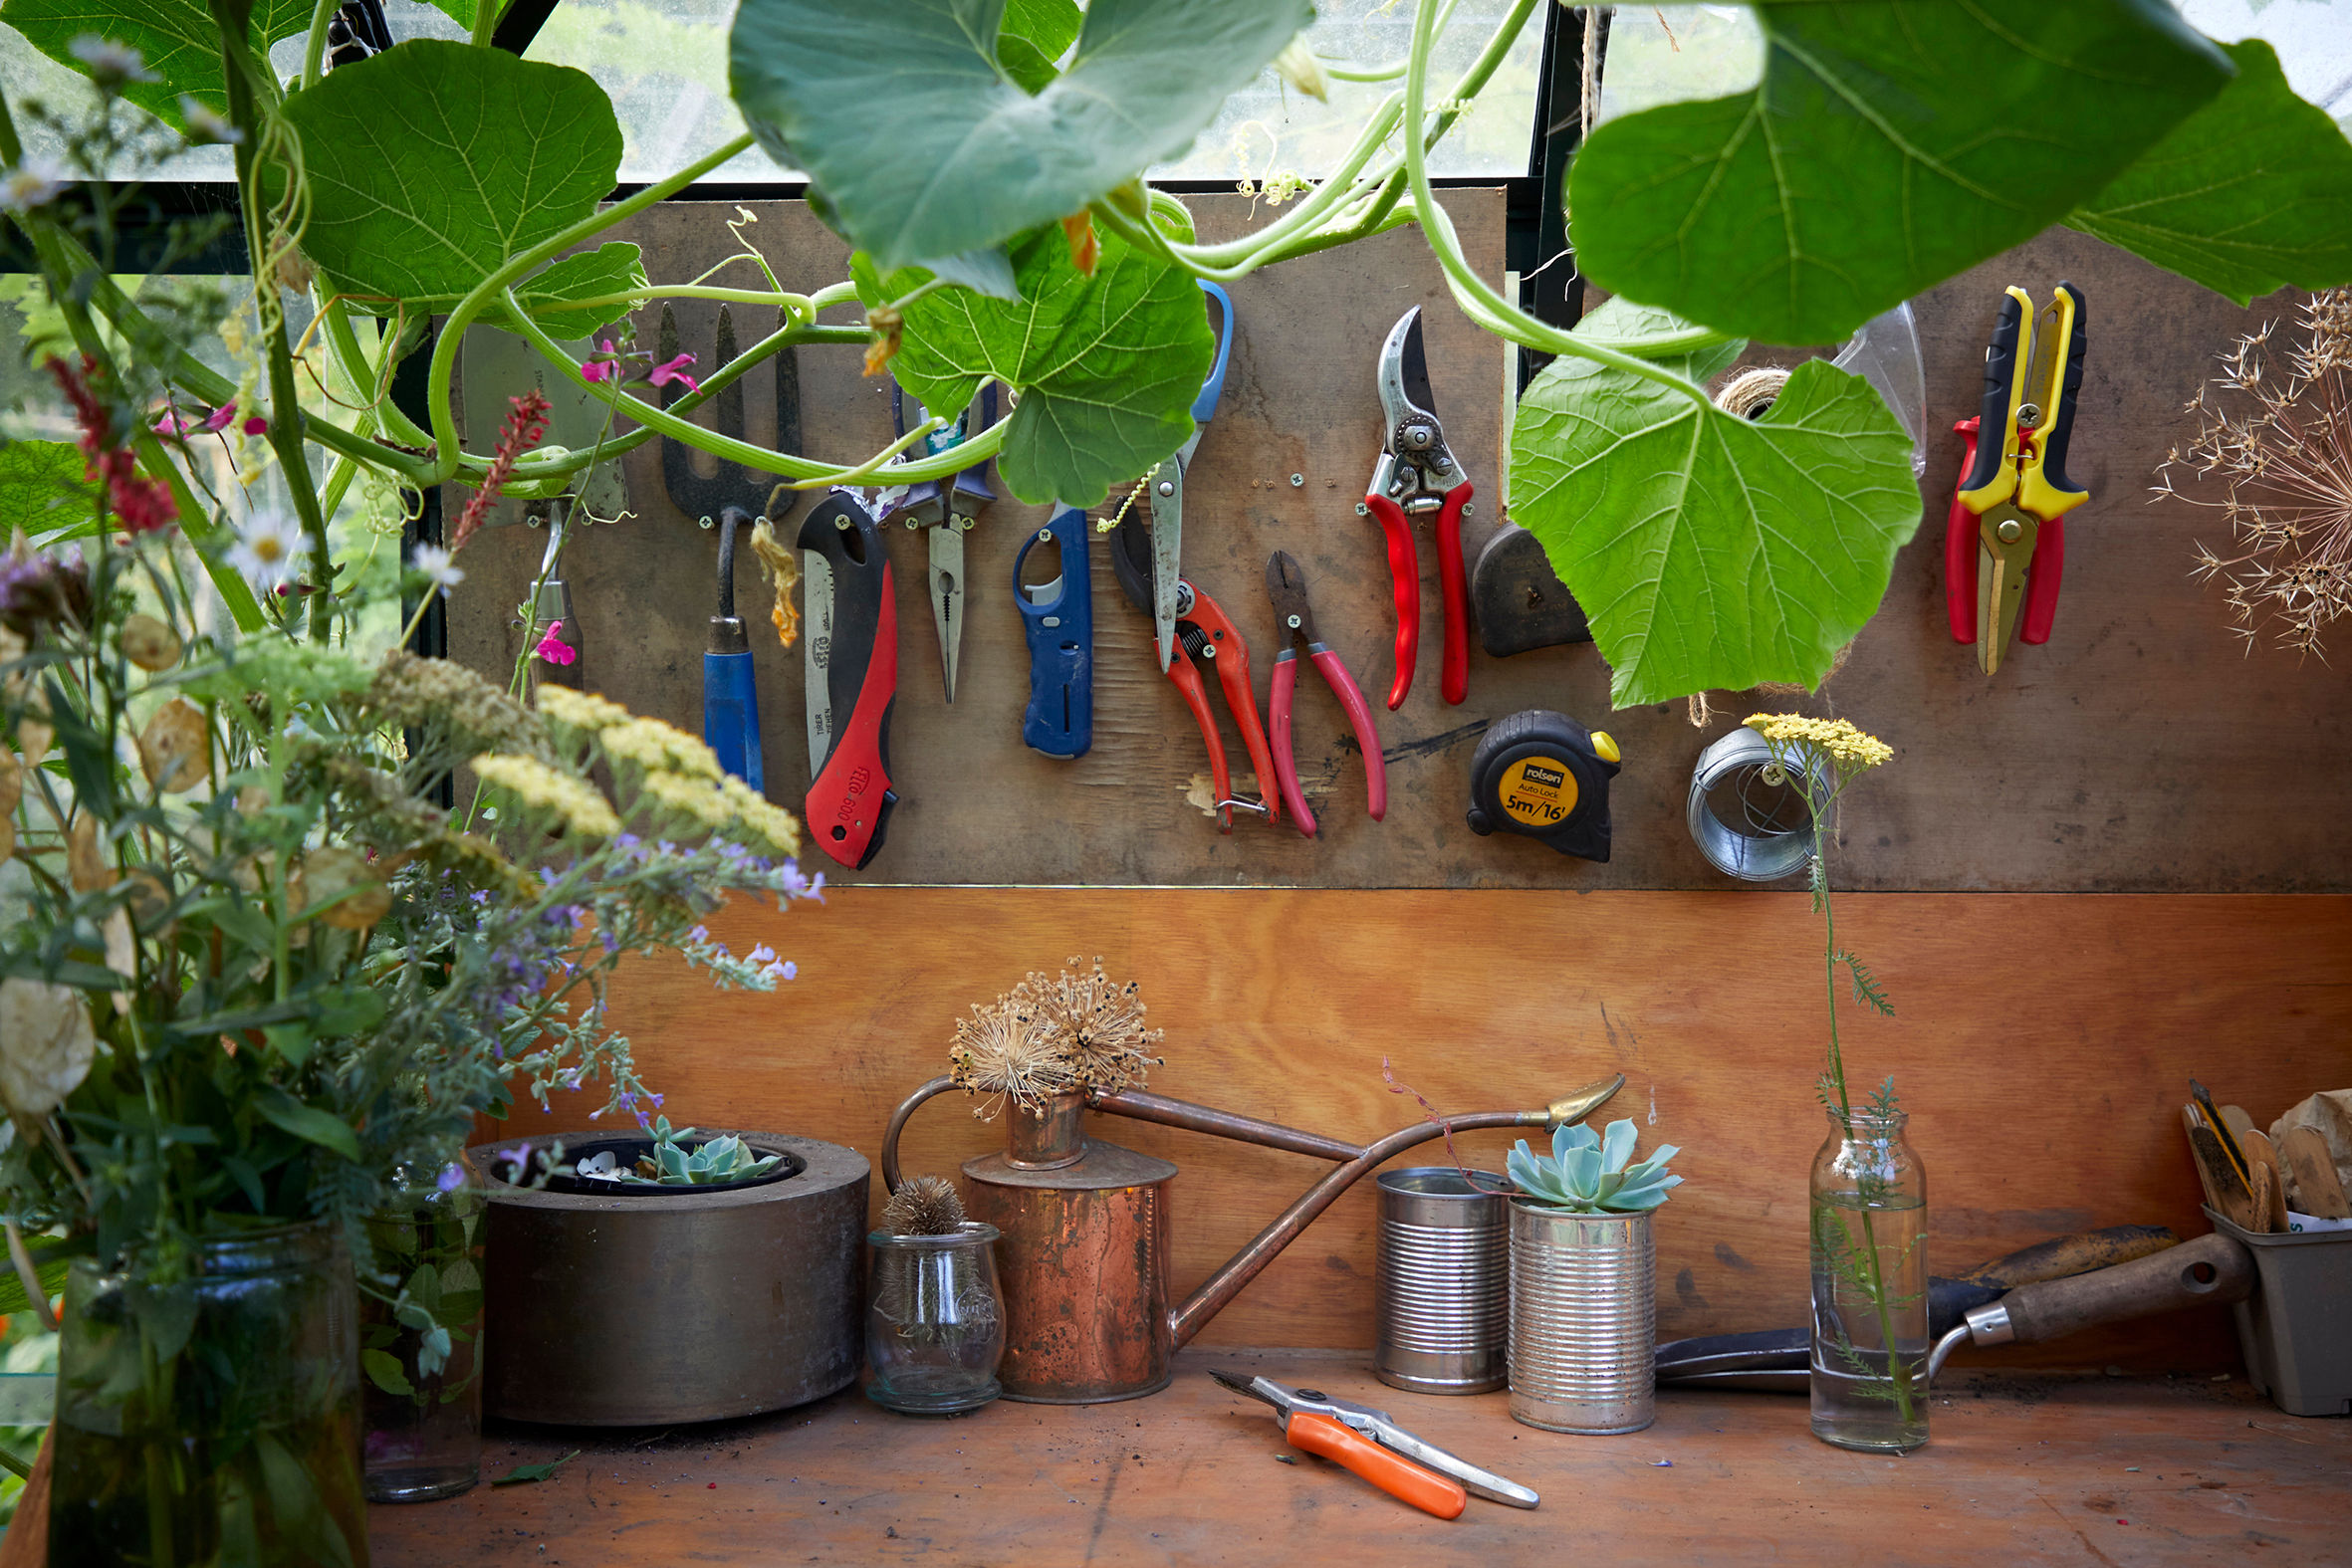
[731, 715]
[1060, 633]
[1214, 387]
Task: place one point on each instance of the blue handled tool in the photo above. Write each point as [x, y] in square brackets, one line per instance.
[730, 692]
[1057, 618]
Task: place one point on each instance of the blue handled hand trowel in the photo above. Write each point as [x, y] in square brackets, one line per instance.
[730, 692]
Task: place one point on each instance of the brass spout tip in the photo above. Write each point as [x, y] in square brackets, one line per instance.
[1576, 1107]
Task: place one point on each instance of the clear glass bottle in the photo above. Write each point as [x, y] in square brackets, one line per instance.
[420, 1335]
[934, 1321]
[208, 1408]
[1870, 1286]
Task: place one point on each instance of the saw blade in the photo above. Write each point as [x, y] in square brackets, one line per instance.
[816, 651]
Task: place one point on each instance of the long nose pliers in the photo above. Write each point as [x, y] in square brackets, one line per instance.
[1285, 587]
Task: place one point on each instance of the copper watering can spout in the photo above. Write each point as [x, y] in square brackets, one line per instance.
[1084, 1226]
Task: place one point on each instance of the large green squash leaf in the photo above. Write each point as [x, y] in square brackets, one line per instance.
[178, 38]
[1105, 369]
[1033, 35]
[920, 146]
[1890, 144]
[433, 162]
[1709, 550]
[2250, 192]
[41, 488]
[616, 267]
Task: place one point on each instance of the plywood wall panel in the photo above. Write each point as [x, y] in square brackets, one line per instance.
[2043, 1044]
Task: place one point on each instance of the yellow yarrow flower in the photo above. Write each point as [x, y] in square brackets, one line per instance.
[1837, 739]
[658, 747]
[541, 789]
[779, 828]
[580, 710]
[689, 798]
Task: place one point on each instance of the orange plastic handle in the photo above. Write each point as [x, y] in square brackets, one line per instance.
[1393, 1473]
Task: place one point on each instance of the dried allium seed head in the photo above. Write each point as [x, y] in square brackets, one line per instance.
[925, 1205]
[1000, 1051]
[1094, 1023]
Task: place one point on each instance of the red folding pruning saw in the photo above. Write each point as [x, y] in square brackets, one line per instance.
[1417, 474]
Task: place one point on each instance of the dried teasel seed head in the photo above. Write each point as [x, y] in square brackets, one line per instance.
[149, 644]
[924, 1205]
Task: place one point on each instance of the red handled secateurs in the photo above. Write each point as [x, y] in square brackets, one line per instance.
[1285, 587]
[1203, 632]
[2005, 543]
[1417, 474]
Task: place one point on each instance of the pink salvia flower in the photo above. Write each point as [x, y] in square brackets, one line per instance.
[675, 371]
[553, 648]
[219, 418]
[257, 426]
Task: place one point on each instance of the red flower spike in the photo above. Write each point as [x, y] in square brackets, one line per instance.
[522, 430]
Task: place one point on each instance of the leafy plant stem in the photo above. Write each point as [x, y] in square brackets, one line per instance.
[366, 379]
[1474, 295]
[485, 22]
[314, 49]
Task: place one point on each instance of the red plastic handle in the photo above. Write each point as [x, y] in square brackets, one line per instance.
[1188, 680]
[1960, 548]
[848, 801]
[2041, 582]
[1453, 591]
[1404, 573]
[1359, 714]
[1285, 762]
[1393, 1473]
[1240, 695]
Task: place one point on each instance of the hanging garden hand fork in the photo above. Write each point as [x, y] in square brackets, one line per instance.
[732, 498]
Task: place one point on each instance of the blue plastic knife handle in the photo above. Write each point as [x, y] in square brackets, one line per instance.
[1061, 632]
[1214, 387]
[731, 715]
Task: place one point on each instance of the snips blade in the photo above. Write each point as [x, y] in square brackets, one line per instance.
[947, 597]
[1130, 559]
[1382, 1429]
[1404, 375]
[1286, 590]
[2005, 536]
[1258, 1389]
[1167, 552]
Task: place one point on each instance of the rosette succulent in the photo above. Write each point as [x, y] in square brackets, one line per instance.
[1587, 1172]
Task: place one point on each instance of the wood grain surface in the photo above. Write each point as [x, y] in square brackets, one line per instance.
[2017, 1470]
[2043, 1044]
[2140, 749]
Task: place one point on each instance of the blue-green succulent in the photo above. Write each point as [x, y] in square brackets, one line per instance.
[1587, 1172]
[727, 1159]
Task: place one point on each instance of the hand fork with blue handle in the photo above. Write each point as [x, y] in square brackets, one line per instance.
[732, 498]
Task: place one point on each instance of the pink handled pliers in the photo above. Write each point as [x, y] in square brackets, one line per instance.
[1286, 586]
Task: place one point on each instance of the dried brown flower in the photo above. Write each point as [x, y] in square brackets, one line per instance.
[1000, 1051]
[1095, 1023]
[459, 712]
[924, 1205]
[2282, 449]
[176, 747]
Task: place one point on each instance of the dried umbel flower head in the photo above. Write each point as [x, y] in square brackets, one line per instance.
[1095, 1023]
[2281, 449]
[924, 1205]
[1001, 1053]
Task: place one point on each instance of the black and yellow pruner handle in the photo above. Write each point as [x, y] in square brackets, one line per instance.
[2030, 399]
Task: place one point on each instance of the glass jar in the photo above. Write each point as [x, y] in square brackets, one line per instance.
[421, 1337]
[208, 1408]
[934, 1321]
[1870, 1286]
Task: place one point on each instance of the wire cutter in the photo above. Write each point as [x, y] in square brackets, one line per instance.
[1206, 633]
[1166, 484]
[1285, 587]
[1366, 1441]
[947, 513]
[1417, 474]
[2005, 542]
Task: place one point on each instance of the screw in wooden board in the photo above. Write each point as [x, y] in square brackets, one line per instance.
[1298, 481]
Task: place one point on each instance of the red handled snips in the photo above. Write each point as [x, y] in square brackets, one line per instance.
[1417, 475]
[1285, 587]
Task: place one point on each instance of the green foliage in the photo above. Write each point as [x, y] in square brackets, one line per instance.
[616, 267]
[1034, 34]
[714, 1160]
[523, 1475]
[178, 38]
[1867, 992]
[1711, 550]
[1587, 1172]
[1887, 148]
[918, 143]
[41, 489]
[430, 165]
[2253, 191]
[1106, 367]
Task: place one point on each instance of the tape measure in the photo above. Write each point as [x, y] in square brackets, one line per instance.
[1545, 775]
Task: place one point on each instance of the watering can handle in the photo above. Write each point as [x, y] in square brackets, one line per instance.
[898, 1120]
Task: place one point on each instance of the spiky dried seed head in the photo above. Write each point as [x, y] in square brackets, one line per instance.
[1001, 1053]
[924, 1205]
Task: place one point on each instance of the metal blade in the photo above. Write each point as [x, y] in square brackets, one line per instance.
[1480, 1483]
[2006, 538]
[947, 597]
[816, 651]
[1404, 373]
[1167, 553]
[1042, 592]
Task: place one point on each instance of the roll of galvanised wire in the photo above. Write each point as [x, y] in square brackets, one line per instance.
[1763, 831]
[1443, 1292]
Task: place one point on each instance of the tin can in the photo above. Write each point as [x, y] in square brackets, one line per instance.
[1443, 1292]
[1584, 1320]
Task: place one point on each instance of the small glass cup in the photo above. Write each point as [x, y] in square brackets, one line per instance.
[934, 1321]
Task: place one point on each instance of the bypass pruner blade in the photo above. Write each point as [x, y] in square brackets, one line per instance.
[1295, 1406]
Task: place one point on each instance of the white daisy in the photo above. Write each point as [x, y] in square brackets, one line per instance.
[110, 62]
[33, 183]
[269, 549]
[206, 123]
[433, 562]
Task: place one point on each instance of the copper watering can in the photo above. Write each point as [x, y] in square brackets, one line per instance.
[1084, 1249]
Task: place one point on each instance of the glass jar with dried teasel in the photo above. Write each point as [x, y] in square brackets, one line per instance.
[935, 1319]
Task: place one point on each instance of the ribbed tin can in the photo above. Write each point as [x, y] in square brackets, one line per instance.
[1584, 1320]
[1443, 1297]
